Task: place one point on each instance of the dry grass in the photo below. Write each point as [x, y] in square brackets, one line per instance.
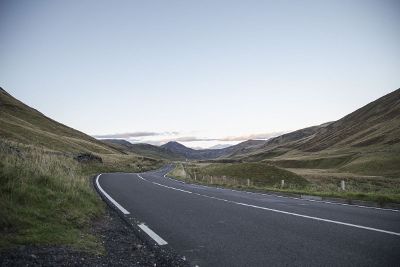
[46, 196]
[320, 182]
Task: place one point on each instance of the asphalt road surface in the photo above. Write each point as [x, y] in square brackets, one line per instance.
[222, 227]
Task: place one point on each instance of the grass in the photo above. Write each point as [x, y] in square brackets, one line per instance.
[46, 197]
[314, 163]
[255, 174]
[379, 163]
[264, 177]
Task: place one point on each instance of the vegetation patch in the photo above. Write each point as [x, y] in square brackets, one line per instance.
[378, 164]
[306, 182]
[317, 163]
[46, 197]
[256, 174]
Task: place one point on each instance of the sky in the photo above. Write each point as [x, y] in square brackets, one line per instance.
[199, 72]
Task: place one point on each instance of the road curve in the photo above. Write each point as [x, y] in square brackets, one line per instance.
[221, 227]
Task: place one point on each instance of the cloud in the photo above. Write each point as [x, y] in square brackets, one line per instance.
[190, 139]
[133, 135]
[261, 136]
[159, 138]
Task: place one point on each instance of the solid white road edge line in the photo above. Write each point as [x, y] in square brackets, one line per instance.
[163, 185]
[124, 211]
[283, 212]
[153, 235]
[189, 192]
[142, 226]
[303, 216]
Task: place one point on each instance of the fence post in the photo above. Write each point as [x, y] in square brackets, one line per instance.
[343, 185]
[282, 183]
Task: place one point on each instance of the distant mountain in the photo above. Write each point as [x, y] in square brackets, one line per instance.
[207, 154]
[180, 149]
[219, 146]
[143, 149]
[21, 123]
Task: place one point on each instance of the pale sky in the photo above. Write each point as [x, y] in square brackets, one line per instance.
[200, 72]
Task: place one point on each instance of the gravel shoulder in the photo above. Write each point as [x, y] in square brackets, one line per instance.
[123, 248]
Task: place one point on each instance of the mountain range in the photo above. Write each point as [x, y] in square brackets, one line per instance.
[365, 141]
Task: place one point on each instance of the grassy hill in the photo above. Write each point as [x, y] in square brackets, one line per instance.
[23, 124]
[45, 193]
[362, 148]
[367, 141]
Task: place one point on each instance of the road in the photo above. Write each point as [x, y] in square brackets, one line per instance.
[221, 227]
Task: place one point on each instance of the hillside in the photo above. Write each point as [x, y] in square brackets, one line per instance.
[46, 197]
[23, 124]
[276, 146]
[366, 141]
[377, 123]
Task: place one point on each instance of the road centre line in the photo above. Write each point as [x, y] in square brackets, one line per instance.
[152, 234]
[281, 211]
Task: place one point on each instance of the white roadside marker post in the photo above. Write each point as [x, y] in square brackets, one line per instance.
[343, 185]
[282, 183]
[248, 182]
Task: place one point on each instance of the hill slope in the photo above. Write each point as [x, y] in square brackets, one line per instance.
[21, 123]
[377, 123]
[366, 141]
[46, 196]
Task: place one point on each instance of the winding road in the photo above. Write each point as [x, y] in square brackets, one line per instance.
[221, 227]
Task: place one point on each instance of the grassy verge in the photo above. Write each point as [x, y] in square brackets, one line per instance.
[263, 177]
[46, 196]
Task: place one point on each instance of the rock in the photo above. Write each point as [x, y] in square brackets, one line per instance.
[88, 158]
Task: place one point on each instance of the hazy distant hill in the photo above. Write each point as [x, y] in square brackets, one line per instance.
[21, 123]
[206, 154]
[143, 149]
[219, 146]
